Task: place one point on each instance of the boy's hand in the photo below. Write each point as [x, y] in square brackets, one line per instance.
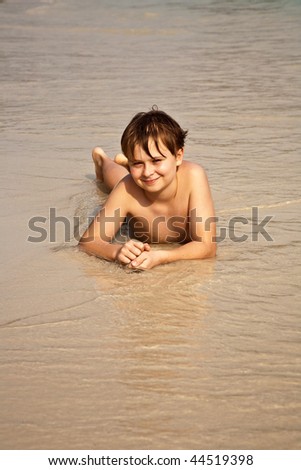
[147, 260]
[131, 250]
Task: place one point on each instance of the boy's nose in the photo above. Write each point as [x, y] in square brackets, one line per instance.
[148, 170]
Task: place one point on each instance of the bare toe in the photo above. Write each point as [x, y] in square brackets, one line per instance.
[98, 154]
[121, 160]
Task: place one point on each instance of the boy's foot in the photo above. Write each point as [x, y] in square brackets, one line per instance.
[121, 160]
[98, 155]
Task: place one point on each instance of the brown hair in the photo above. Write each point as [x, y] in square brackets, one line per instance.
[155, 125]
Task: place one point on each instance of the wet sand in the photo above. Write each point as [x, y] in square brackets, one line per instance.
[189, 355]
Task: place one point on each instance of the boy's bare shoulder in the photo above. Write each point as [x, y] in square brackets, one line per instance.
[127, 184]
[192, 171]
[126, 188]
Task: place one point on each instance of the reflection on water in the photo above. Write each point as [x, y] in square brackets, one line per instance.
[192, 354]
[159, 342]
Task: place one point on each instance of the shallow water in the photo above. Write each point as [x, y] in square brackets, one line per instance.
[189, 355]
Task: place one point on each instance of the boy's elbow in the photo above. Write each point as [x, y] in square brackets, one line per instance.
[211, 250]
[82, 245]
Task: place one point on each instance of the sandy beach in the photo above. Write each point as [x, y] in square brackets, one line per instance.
[201, 354]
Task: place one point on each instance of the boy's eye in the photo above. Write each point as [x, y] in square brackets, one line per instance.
[154, 160]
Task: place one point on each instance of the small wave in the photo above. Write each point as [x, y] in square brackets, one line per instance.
[263, 206]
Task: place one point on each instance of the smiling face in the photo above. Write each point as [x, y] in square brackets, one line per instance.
[157, 172]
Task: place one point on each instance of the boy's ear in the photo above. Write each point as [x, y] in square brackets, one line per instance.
[179, 156]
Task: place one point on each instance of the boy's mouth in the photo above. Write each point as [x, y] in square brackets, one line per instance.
[151, 181]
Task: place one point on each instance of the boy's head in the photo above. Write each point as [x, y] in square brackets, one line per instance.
[154, 125]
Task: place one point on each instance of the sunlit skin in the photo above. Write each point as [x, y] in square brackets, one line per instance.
[156, 175]
[151, 190]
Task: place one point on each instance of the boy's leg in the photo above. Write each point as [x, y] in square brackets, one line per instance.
[108, 171]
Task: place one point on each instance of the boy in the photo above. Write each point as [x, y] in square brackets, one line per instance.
[163, 198]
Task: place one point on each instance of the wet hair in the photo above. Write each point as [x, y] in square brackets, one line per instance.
[155, 125]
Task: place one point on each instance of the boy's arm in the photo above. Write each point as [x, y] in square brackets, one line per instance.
[202, 221]
[202, 227]
[97, 239]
